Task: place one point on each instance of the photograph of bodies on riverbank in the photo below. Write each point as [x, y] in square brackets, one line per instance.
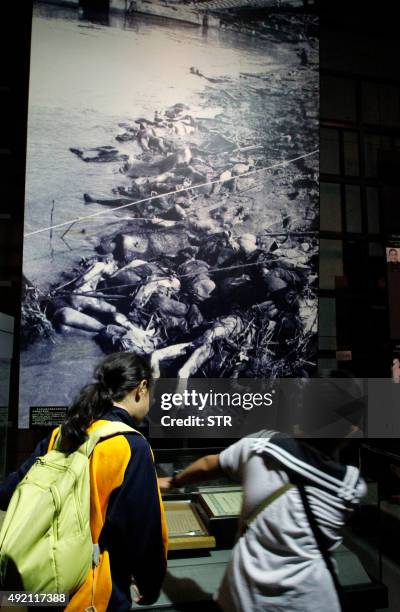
[171, 198]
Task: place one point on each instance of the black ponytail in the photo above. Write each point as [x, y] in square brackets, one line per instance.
[115, 377]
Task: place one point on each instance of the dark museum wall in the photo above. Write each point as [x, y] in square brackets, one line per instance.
[14, 75]
[360, 121]
[360, 117]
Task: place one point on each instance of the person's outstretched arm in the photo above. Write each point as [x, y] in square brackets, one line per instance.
[205, 468]
[229, 464]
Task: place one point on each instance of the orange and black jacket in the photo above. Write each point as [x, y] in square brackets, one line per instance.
[127, 519]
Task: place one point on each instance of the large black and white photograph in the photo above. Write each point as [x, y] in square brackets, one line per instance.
[171, 202]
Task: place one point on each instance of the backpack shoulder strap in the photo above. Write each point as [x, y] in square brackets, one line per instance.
[264, 504]
[108, 430]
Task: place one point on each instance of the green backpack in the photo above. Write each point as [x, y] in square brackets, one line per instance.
[46, 531]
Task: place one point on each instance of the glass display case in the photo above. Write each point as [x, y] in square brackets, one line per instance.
[381, 465]
[217, 503]
[362, 538]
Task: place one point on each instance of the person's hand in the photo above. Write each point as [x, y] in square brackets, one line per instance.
[141, 600]
[135, 592]
[396, 370]
[165, 483]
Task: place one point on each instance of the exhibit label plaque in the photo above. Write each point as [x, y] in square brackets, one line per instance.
[47, 416]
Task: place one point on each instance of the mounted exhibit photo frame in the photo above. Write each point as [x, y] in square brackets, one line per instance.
[171, 193]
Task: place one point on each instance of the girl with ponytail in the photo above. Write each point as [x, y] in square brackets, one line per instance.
[127, 515]
[116, 377]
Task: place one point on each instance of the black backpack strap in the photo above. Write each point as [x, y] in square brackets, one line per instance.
[322, 543]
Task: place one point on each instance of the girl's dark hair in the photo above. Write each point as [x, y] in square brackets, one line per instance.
[115, 377]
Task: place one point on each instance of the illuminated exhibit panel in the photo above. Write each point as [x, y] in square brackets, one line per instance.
[171, 198]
